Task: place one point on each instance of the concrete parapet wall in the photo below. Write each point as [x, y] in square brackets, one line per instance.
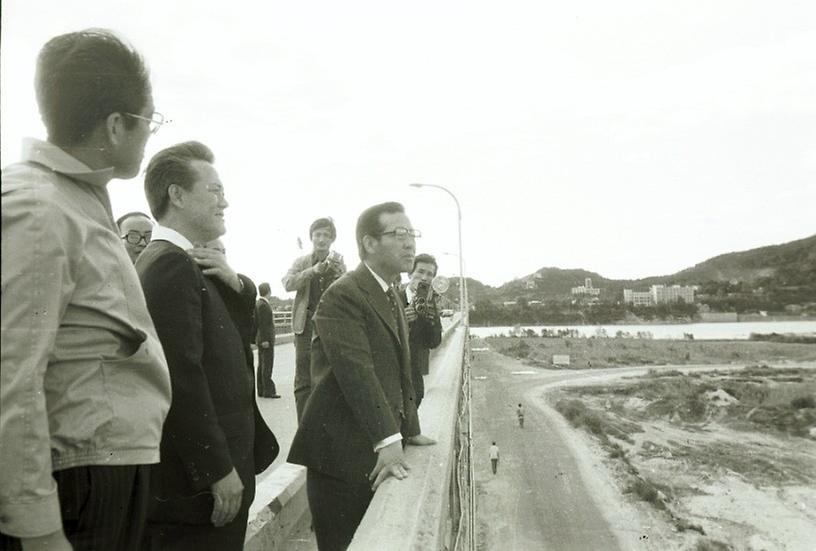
[413, 513]
[284, 495]
[281, 500]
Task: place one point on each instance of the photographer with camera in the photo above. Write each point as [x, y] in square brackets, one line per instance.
[310, 276]
[422, 312]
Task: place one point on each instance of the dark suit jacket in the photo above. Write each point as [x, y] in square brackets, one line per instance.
[211, 426]
[424, 335]
[241, 308]
[364, 392]
[265, 321]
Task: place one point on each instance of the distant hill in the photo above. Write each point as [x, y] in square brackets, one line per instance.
[796, 260]
[553, 281]
[789, 265]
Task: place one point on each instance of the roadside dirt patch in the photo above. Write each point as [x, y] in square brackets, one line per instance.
[629, 352]
[723, 459]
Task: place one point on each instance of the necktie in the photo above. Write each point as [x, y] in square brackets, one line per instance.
[402, 331]
[399, 315]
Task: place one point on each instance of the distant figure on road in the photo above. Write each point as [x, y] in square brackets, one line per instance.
[494, 457]
[520, 415]
[265, 339]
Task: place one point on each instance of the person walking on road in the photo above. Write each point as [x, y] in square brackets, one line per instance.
[520, 415]
[494, 457]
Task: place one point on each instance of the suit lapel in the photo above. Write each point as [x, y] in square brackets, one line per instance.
[376, 297]
[399, 329]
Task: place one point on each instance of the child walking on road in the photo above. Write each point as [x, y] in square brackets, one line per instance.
[520, 415]
[494, 457]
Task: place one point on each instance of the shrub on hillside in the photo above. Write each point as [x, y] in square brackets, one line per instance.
[572, 410]
[804, 402]
[518, 349]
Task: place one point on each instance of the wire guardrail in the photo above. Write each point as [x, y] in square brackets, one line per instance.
[464, 524]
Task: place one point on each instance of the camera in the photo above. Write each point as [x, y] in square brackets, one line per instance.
[424, 297]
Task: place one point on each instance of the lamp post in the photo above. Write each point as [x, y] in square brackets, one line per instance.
[463, 295]
[463, 303]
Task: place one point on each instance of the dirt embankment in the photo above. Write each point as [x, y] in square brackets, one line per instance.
[615, 352]
[718, 459]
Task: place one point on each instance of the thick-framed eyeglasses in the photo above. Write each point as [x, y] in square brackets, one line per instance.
[403, 233]
[153, 124]
[135, 237]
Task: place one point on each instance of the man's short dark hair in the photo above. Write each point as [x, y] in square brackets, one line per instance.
[172, 166]
[427, 259]
[325, 222]
[369, 222]
[264, 289]
[82, 77]
[132, 214]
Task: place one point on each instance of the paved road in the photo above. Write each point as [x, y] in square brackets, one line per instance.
[537, 500]
[280, 413]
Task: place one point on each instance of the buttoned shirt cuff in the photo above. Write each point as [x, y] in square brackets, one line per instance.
[387, 441]
[31, 519]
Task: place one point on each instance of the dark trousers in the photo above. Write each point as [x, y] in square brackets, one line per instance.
[494, 463]
[303, 375]
[198, 537]
[419, 385]
[102, 507]
[337, 507]
[266, 362]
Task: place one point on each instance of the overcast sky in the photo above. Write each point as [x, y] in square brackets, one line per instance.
[631, 138]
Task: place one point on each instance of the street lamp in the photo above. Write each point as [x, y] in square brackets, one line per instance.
[463, 296]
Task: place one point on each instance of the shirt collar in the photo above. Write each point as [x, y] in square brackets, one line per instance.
[380, 280]
[51, 156]
[163, 233]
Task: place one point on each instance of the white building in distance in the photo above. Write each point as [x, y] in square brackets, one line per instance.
[659, 294]
[586, 289]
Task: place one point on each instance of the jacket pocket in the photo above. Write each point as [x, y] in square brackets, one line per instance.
[138, 390]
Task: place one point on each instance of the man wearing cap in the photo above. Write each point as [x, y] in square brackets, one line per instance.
[310, 275]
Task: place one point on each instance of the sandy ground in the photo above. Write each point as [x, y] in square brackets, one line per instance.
[769, 505]
[551, 491]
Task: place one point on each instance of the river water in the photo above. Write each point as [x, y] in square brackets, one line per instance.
[703, 331]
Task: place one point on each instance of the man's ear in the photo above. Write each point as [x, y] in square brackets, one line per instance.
[369, 243]
[115, 128]
[176, 195]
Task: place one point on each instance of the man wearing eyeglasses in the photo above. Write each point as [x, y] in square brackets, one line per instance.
[362, 404]
[85, 388]
[135, 229]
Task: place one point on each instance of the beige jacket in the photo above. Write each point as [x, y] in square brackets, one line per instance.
[299, 278]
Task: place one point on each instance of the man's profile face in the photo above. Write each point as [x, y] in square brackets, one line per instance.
[424, 272]
[322, 239]
[136, 228]
[130, 151]
[204, 203]
[394, 254]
